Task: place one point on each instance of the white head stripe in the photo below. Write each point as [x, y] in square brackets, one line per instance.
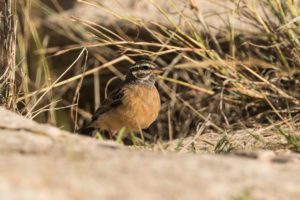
[143, 65]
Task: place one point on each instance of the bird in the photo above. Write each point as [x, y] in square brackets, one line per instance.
[134, 105]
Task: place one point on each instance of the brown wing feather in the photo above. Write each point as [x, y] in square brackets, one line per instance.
[113, 100]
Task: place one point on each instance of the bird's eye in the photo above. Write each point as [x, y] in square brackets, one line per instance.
[145, 67]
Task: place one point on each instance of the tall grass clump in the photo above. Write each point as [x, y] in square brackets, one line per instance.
[227, 77]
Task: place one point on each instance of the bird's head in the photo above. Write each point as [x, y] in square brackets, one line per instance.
[143, 72]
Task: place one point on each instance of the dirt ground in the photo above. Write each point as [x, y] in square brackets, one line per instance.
[42, 162]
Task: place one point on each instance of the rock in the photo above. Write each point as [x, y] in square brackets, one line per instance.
[217, 15]
[42, 162]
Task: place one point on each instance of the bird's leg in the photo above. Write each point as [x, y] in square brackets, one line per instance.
[141, 133]
[110, 134]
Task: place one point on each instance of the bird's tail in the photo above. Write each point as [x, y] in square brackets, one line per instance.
[87, 130]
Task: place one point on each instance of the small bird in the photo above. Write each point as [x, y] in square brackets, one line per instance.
[134, 105]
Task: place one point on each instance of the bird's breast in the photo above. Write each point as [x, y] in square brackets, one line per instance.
[140, 106]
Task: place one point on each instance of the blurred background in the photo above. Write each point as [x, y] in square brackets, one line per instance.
[230, 65]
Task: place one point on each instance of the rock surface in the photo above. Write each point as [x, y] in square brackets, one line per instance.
[42, 162]
[216, 14]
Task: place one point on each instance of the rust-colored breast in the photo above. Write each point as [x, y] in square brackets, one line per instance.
[140, 107]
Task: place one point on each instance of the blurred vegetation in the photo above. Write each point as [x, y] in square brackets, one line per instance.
[222, 79]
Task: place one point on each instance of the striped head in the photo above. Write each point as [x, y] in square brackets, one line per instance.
[143, 72]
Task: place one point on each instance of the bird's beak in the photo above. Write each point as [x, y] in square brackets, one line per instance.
[158, 71]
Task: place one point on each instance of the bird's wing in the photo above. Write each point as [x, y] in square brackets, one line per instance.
[113, 100]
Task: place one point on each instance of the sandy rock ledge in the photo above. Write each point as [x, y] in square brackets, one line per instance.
[42, 162]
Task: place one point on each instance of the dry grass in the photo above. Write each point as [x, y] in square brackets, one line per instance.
[242, 91]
